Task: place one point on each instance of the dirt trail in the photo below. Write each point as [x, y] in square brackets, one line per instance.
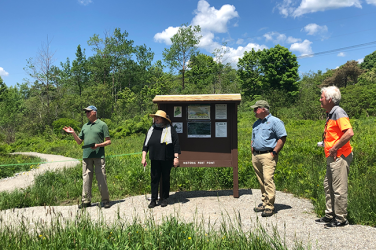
[294, 218]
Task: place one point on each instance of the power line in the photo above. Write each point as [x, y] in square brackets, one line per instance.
[334, 20]
[337, 50]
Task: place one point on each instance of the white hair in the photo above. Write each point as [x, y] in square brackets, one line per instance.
[332, 92]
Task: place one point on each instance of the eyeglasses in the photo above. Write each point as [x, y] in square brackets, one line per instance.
[87, 111]
[255, 109]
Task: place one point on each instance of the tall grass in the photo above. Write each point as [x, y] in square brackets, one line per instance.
[301, 170]
[172, 233]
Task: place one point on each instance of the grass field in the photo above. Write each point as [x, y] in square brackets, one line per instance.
[300, 170]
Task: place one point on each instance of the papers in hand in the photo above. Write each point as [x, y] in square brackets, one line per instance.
[88, 145]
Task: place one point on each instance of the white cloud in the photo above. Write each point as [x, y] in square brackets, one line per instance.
[3, 72]
[280, 38]
[314, 29]
[84, 2]
[291, 39]
[342, 54]
[337, 67]
[211, 19]
[165, 36]
[304, 47]
[371, 2]
[360, 60]
[240, 41]
[214, 21]
[288, 7]
[275, 37]
[206, 41]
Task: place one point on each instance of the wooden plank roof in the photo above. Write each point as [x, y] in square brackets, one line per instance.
[198, 98]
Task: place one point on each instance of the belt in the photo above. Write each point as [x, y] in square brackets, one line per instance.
[263, 152]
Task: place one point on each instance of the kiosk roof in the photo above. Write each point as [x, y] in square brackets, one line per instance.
[198, 98]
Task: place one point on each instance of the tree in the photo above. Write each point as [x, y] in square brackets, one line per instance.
[42, 70]
[80, 76]
[250, 73]
[202, 71]
[270, 69]
[280, 69]
[369, 61]
[368, 77]
[346, 74]
[223, 70]
[11, 106]
[184, 45]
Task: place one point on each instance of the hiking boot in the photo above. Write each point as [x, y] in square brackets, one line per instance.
[336, 223]
[164, 203]
[152, 204]
[84, 205]
[324, 220]
[106, 204]
[267, 212]
[259, 208]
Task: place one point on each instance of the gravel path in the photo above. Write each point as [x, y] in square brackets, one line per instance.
[294, 218]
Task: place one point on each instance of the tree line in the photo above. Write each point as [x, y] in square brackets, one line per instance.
[121, 80]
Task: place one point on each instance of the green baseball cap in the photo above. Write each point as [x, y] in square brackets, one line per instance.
[261, 104]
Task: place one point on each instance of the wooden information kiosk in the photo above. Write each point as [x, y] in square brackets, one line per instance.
[207, 129]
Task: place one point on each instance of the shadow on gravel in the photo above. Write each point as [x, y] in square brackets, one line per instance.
[183, 197]
[111, 203]
[278, 207]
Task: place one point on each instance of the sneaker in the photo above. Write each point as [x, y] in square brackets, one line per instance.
[106, 204]
[323, 220]
[336, 223]
[164, 203]
[267, 212]
[259, 208]
[152, 204]
[84, 205]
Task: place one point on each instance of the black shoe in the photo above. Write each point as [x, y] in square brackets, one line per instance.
[336, 223]
[324, 220]
[164, 203]
[106, 204]
[84, 205]
[259, 208]
[267, 212]
[152, 204]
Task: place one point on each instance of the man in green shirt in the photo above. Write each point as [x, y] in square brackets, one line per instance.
[96, 136]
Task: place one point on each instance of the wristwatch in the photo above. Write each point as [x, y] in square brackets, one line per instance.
[177, 157]
[275, 153]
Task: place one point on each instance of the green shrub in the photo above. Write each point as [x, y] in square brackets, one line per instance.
[59, 124]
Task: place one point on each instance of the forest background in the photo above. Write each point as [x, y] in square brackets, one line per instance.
[121, 80]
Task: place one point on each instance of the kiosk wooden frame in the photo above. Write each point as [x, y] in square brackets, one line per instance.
[207, 129]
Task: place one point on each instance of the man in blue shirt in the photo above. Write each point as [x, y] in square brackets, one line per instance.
[268, 137]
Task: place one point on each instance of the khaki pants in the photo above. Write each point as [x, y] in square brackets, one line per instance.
[264, 166]
[87, 176]
[335, 186]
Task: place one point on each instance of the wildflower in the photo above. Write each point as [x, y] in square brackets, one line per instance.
[189, 238]
[40, 236]
[44, 238]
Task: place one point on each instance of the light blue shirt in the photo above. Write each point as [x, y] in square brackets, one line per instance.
[267, 132]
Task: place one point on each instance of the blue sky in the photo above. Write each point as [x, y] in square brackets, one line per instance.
[304, 26]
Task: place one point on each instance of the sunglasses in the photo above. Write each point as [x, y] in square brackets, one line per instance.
[86, 111]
